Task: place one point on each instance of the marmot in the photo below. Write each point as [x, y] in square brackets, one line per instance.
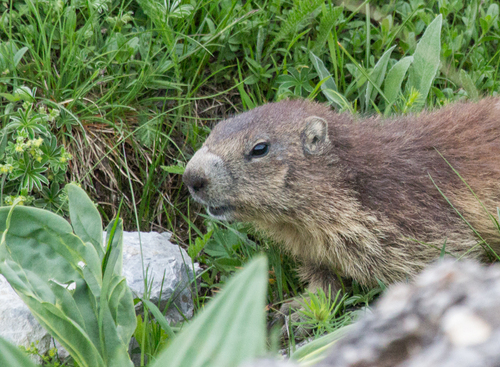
[360, 198]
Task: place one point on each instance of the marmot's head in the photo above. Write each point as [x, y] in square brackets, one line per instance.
[266, 163]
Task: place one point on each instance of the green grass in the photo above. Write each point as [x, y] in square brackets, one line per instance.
[140, 83]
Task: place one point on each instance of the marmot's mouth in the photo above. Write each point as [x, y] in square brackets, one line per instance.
[222, 212]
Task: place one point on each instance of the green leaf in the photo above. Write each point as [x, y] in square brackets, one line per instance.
[223, 243]
[199, 243]
[245, 98]
[114, 238]
[9, 97]
[19, 55]
[40, 257]
[295, 20]
[318, 349]
[178, 170]
[85, 218]
[10, 355]
[468, 85]
[230, 329]
[159, 317]
[425, 64]
[25, 93]
[339, 99]
[330, 16]
[377, 76]
[59, 278]
[329, 83]
[394, 79]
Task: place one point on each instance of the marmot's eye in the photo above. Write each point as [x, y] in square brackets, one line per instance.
[260, 150]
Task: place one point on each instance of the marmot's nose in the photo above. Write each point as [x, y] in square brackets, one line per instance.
[195, 182]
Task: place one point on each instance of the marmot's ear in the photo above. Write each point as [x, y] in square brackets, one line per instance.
[315, 135]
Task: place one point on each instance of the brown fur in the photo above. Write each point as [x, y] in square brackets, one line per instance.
[359, 202]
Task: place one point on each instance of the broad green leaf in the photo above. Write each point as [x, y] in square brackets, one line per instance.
[425, 64]
[59, 278]
[230, 329]
[42, 304]
[10, 355]
[25, 93]
[394, 79]
[468, 85]
[117, 320]
[377, 76]
[9, 97]
[329, 83]
[40, 258]
[122, 310]
[19, 55]
[339, 99]
[85, 218]
[315, 351]
[39, 240]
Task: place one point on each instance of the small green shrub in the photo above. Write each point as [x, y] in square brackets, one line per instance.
[49, 360]
[32, 164]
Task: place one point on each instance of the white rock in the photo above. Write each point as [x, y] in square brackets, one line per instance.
[165, 264]
[464, 328]
[17, 324]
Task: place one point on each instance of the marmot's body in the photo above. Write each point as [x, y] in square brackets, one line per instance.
[356, 198]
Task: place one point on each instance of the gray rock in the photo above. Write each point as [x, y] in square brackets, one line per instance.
[164, 263]
[168, 269]
[17, 324]
[449, 317]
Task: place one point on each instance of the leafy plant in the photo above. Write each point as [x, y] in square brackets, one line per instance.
[230, 329]
[150, 336]
[320, 311]
[71, 284]
[50, 359]
[298, 80]
[426, 59]
[32, 164]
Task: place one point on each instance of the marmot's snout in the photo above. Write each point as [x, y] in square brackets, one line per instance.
[209, 183]
[196, 182]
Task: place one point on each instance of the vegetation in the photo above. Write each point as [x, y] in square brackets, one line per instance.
[117, 95]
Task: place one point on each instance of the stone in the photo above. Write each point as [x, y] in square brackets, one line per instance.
[447, 317]
[17, 324]
[170, 277]
[168, 268]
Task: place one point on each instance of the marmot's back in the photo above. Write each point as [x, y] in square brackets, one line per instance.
[358, 198]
